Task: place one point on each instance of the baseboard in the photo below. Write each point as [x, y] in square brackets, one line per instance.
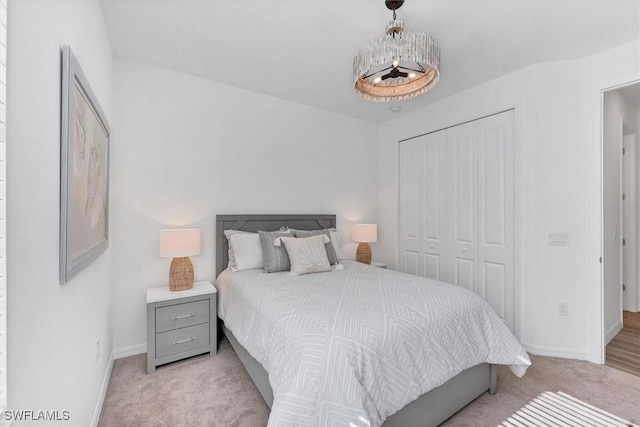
[565, 353]
[103, 392]
[611, 333]
[132, 350]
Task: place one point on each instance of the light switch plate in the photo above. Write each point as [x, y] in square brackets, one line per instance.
[558, 239]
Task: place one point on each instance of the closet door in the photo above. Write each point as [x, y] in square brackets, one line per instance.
[462, 203]
[434, 205]
[457, 209]
[481, 210]
[496, 215]
[411, 171]
[423, 206]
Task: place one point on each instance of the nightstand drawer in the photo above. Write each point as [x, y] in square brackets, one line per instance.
[181, 315]
[185, 339]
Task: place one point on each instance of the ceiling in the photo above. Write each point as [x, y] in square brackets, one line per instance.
[302, 50]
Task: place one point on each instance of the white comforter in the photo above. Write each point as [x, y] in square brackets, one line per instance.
[352, 347]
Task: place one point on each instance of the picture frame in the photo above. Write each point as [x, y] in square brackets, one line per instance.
[84, 172]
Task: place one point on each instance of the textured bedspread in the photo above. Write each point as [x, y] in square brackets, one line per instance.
[352, 347]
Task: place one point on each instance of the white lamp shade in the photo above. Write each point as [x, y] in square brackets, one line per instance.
[364, 233]
[179, 242]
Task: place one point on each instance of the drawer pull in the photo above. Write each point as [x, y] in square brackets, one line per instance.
[184, 341]
[183, 316]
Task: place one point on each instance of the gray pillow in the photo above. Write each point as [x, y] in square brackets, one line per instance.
[331, 253]
[275, 258]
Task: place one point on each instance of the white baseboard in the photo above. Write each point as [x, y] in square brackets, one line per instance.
[565, 353]
[611, 333]
[103, 392]
[132, 350]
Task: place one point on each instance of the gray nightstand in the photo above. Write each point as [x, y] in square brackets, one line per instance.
[378, 264]
[180, 324]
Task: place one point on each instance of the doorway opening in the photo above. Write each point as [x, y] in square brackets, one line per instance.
[621, 227]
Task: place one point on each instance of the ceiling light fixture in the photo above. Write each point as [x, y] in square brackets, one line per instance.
[400, 65]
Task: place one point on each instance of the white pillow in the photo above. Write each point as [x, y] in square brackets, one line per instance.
[335, 241]
[232, 255]
[307, 255]
[247, 251]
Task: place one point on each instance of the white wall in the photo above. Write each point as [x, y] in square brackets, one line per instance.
[185, 149]
[554, 105]
[617, 112]
[52, 328]
[603, 71]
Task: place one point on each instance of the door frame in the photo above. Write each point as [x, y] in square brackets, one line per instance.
[603, 332]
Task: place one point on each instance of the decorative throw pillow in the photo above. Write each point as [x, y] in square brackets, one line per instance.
[331, 252]
[275, 257]
[247, 250]
[232, 255]
[307, 255]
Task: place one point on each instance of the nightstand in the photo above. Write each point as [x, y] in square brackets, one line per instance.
[180, 324]
[378, 264]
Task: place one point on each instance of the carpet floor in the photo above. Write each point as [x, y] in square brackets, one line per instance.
[217, 391]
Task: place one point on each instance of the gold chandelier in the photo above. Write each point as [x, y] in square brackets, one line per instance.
[400, 65]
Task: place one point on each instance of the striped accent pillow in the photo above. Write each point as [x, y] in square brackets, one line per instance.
[275, 258]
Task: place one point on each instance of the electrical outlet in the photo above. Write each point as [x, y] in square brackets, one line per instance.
[97, 349]
[563, 309]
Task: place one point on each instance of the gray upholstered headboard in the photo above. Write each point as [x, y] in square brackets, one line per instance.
[254, 223]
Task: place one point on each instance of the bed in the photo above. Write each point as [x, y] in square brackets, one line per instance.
[373, 405]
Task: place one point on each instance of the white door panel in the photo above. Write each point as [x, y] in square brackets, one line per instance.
[461, 206]
[464, 273]
[410, 207]
[434, 204]
[457, 209]
[432, 263]
[423, 205]
[410, 262]
[493, 281]
[496, 214]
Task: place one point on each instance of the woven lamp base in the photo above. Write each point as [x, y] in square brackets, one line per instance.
[181, 274]
[363, 253]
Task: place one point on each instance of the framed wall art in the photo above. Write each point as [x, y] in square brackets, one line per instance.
[84, 172]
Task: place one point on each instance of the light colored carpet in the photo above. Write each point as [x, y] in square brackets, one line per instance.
[217, 391]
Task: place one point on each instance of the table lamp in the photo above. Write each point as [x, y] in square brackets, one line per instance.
[364, 233]
[180, 244]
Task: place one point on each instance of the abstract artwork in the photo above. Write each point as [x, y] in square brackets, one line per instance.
[84, 172]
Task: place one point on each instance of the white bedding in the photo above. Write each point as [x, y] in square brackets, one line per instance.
[352, 347]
